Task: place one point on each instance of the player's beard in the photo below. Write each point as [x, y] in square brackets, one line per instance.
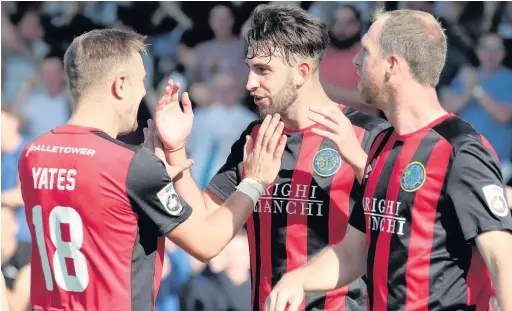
[282, 101]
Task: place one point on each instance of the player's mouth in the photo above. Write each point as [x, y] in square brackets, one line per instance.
[259, 100]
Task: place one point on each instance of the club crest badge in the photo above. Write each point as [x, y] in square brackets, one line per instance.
[495, 197]
[413, 177]
[169, 199]
[326, 162]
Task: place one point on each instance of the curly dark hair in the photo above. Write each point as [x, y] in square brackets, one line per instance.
[289, 30]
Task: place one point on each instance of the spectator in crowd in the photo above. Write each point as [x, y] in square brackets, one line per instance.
[502, 25]
[15, 263]
[225, 52]
[457, 23]
[482, 97]
[338, 74]
[176, 272]
[225, 284]
[53, 96]
[323, 10]
[12, 146]
[22, 47]
[217, 126]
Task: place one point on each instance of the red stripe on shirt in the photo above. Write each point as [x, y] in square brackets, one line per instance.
[265, 221]
[488, 145]
[265, 251]
[373, 179]
[252, 250]
[339, 213]
[159, 261]
[423, 215]
[380, 266]
[297, 225]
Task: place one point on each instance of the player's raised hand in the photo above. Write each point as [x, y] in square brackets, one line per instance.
[173, 123]
[286, 295]
[338, 129]
[152, 142]
[262, 157]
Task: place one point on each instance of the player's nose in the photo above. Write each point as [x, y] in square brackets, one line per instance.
[252, 82]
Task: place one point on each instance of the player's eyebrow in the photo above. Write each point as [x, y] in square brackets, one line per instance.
[261, 65]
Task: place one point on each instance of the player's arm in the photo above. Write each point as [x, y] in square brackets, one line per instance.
[475, 186]
[204, 236]
[19, 296]
[496, 250]
[332, 268]
[222, 185]
[5, 302]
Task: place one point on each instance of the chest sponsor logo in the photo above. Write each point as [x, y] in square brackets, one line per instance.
[495, 197]
[383, 215]
[326, 162]
[169, 199]
[285, 199]
[413, 177]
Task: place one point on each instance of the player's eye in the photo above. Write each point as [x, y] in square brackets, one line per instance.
[262, 70]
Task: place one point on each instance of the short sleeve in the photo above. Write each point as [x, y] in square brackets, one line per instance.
[224, 183]
[151, 192]
[475, 186]
[380, 126]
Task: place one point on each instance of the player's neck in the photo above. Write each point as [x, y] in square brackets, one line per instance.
[298, 116]
[414, 110]
[83, 116]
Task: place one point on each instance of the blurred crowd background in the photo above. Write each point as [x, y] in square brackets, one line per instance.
[198, 44]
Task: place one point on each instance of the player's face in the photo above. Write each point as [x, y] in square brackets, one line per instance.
[271, 84]
[490, 52]
[371, 69]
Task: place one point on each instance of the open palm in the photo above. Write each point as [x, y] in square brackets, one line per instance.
[173, 123]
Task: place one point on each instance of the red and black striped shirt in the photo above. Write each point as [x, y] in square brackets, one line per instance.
[306, 209]
[427, 195]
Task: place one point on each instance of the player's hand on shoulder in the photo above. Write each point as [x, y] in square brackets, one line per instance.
[152, 142]
[173, 123]
[262, 156]
[338, 129]
[286, 295]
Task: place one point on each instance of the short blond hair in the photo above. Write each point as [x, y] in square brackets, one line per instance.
[93, 55]
[419, 38]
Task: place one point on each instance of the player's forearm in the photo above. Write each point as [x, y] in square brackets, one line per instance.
[226, 221]
[333, 268]
[5, 301]
[501, 270]
[19, 297]
[205, 237]
[184, 183]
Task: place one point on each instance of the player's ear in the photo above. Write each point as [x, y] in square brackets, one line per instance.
[304, 71]
[392, 64]
[120, 87]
